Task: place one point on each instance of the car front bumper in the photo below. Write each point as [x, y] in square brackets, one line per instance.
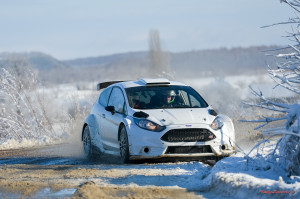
[146, 144]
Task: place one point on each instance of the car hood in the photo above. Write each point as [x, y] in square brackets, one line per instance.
[180, 116]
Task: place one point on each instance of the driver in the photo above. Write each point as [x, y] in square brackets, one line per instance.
[136, 100]
[170, 97]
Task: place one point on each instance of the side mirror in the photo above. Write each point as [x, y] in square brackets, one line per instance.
[110, 109]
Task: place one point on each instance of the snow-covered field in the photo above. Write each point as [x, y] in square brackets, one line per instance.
[233, 177]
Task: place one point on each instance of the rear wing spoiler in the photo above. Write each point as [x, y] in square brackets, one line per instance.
[106, 84]
[145, 81]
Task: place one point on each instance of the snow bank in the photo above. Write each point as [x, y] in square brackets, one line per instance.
[27, 143]
[234, 177]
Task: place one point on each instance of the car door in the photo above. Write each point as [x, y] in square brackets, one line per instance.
[112, 120]
[99, 112]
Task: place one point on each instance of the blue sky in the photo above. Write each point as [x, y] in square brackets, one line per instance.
[77, 28]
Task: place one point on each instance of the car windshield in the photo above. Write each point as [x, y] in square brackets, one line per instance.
[161, 97]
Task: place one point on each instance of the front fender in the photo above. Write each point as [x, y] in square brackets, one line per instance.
[228, 128]
[128, 122]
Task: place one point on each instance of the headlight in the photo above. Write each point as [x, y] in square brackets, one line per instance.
[148, 125]
[217, 123]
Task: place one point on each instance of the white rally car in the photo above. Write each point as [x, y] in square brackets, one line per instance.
[154, 118]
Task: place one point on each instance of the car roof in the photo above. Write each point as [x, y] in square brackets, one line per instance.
[149, 82]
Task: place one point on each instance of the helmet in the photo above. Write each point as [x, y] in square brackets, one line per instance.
[171, 94]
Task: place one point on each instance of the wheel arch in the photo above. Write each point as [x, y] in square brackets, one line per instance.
[126, 123]
[82, 130]
[91, 122]
[119, 130]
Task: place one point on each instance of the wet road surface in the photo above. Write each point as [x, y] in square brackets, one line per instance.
[60, 171]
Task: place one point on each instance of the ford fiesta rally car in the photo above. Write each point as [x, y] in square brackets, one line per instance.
[154, 118]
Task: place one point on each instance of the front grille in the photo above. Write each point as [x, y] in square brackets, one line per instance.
[188, 135]
[188, 149]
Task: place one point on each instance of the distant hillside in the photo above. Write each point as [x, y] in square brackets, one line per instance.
[49, 69]
[36, 60]
[109, 59]
[222, 61]
[131, 65]
[192, 63]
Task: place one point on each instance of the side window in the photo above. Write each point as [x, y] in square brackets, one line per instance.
[117, 100]
[104, 96]
[185, 98]
[195, 103]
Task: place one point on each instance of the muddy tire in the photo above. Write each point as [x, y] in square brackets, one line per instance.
[87, 143]
[124, 146]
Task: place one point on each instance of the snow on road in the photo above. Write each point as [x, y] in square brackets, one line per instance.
[44, 172]
[54, 175]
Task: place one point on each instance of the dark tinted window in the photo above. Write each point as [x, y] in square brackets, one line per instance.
[158, 97]
[104, 96]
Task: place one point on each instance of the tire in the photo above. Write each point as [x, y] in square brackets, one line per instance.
[124, 146]
[87, 144]
[218, 158]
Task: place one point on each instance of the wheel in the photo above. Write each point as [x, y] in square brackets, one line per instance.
[87, 144]
[124, 146]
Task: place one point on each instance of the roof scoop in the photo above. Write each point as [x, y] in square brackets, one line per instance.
[159, 81]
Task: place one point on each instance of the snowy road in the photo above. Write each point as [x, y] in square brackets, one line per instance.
[54, 172]
[60, 172]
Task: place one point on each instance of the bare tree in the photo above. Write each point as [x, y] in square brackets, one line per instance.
[286, 153]
[159, 60]
[22, 109]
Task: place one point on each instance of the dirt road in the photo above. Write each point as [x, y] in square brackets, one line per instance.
[61, 172]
